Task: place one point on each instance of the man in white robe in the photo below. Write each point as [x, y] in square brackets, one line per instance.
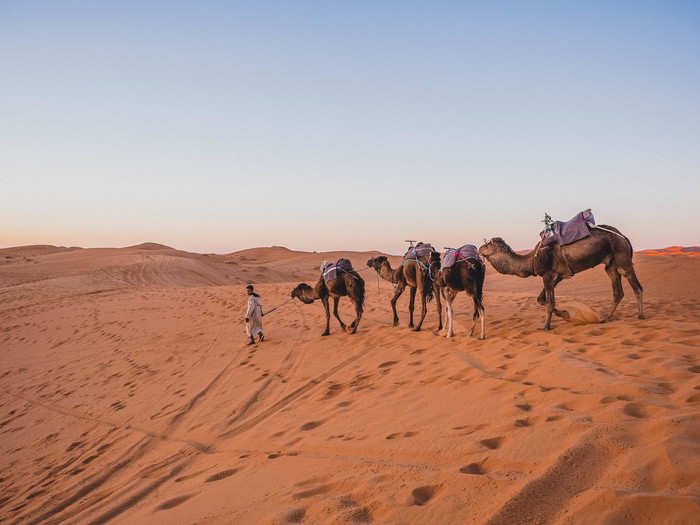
[253, 316]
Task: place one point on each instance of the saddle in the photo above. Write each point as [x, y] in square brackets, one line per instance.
[330, 270]
[575, 229]
[422, 249]
[467, 253]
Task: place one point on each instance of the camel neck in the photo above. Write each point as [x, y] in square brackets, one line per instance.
[513, 263]
[386, 273]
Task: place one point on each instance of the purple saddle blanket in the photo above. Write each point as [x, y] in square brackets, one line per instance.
[421, 249]
[330, 271]
[468, 252]
[568, 232]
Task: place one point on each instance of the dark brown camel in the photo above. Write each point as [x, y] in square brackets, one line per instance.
[607, 247]
[415, 276]
[348, 284]
[468, 276]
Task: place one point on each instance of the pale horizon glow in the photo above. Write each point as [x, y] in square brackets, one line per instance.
[214, 127]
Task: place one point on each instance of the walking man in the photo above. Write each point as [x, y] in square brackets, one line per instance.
[253, 316]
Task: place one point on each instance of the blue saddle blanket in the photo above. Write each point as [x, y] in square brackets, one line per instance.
[420, 250]
[330, 270]
[468, 253]
[575, 229]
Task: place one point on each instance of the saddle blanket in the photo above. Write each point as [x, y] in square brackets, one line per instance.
[330, 270]
[421, 249]
[468, 252]
[568, 232]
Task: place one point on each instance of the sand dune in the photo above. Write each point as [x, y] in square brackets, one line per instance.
[129, 396]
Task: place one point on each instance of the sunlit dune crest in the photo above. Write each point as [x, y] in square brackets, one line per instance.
[690, 251]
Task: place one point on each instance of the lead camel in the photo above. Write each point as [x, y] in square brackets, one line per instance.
[605, 245]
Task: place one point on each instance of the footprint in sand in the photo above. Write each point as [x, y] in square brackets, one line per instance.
[310, 425]
[422, 495]
[635, 410]
[221, 475]
[474, 469]
[362, 515]
[492, 443]
[174, 502]
[525, 407]
[73, 445]
[694, 369]
[553, 418]
[522, 422]
[312, 492]
[346, 502]
[387, 363]
[295, 516]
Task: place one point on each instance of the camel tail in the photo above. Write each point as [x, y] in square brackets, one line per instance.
[360, 287]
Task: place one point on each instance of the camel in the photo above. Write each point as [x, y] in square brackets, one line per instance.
[347, 283]
[605, 245]
[465, 275]
[413, 275]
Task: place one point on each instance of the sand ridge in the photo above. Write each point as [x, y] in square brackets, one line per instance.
[129, 396]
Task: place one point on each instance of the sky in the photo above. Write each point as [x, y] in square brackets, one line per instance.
[219, 126]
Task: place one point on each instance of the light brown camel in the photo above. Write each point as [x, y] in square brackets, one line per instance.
[415, 276]
[347, 283]
[465, 275]
[605, 245]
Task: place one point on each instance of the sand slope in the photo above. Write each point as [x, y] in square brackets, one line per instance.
[129, 396]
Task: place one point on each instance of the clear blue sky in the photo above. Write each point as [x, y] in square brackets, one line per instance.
[215, 126]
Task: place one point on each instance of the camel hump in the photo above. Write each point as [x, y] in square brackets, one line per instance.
[575, 229]
[422, 249]
[467, 252]
[330, 271]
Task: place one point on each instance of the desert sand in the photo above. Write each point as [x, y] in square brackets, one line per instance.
[128, 395]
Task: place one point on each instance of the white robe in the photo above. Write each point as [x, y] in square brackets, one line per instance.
[254, 315]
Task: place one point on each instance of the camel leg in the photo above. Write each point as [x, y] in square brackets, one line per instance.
[397, 293]
[424, 309]
[616, 280]
[449, 297]
[358, 316]
[411, 304]
[482, 317]
[631, 277]
[478, 316]
[326, 307]
[436, 293]
[542, 298]
[549, 290]
[336, 300]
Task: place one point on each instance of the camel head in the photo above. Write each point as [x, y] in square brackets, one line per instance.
[493, 246]
[376, 263]
[303, 292]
